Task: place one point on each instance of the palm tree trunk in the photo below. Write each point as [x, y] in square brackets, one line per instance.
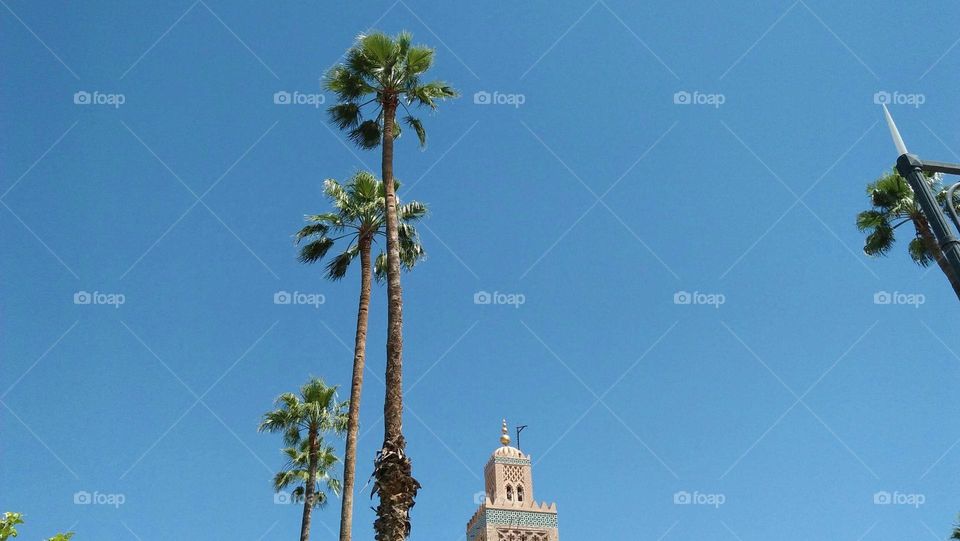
[353, 419]
[395, 484]
[393, 404]
[930, 241]
[309, 491]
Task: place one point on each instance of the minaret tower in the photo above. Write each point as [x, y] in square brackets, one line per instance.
[509, 512]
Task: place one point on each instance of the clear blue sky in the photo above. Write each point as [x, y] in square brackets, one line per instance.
[797, 399]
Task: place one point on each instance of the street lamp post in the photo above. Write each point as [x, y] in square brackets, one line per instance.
[912, 168]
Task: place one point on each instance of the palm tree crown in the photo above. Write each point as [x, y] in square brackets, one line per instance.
[894, 204]
[359, 213]
[317, 407]
[385, 72]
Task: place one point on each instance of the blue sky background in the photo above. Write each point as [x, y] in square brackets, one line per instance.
[598, 199]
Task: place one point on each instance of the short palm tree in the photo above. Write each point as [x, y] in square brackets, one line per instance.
[303, 419]
[384, 74]
[894, 205]
[296, 473]
[357, 221]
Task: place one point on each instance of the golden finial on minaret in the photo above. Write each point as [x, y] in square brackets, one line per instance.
[504, 436]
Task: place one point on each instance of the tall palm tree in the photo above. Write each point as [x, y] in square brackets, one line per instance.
[358, 220]
[315, 411]
[385, 73]
[894, 205]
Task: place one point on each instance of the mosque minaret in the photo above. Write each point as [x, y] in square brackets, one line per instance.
[509, 511]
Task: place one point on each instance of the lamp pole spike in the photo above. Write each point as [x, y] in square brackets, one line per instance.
[894, 132]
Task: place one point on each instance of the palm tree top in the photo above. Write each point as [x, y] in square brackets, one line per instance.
[317, 405]
[894, 205]
[359, 212]
[386, 72]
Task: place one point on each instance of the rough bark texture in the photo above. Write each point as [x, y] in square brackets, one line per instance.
[397, 490]
[356, 384]
[394, 483]
[930, 241]
[310, 489]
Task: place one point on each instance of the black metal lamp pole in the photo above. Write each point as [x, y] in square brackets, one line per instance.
[912, 168]
[519, 430]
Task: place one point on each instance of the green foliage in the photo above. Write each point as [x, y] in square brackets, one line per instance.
[296, 472]
[383, 71]
[893, 205]
[316, 406]
[8, 525]
[359, 211]
[10, 521]
[314, 411]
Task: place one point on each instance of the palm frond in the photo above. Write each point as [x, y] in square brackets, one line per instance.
[379, 48]
[347, 83]
[418, 60]
[879, 241]
[366, 135]
[919, 252]
[428, 94]
[338, 266]
[316, 250]
[345, 115]
[412, 211]
[417, 126]
[310, 230]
